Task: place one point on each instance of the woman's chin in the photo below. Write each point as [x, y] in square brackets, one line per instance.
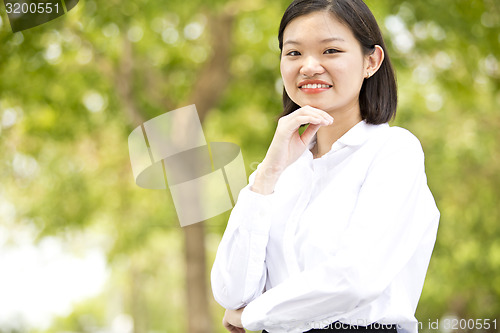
[314, 105]
[314, 102]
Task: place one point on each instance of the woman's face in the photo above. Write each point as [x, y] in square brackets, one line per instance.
[322, 64]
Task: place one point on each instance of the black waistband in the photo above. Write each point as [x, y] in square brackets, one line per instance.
[346, 328]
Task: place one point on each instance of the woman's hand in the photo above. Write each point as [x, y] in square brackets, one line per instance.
[288, 145]
[232, 321]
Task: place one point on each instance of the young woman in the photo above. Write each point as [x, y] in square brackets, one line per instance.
[336, 228]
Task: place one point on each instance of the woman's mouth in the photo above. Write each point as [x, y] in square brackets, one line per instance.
[314, 88]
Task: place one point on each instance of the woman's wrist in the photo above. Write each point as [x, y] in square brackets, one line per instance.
[266, 178]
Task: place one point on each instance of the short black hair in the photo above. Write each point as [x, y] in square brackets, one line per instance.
[378, 97]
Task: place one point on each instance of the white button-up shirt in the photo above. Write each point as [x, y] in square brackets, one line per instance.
[346, 237]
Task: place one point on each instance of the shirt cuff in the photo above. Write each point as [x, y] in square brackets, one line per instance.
[249, 319]
[254, 317]
[255, 208]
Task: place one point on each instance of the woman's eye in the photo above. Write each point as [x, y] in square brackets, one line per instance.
[331, 51]
[293, 53]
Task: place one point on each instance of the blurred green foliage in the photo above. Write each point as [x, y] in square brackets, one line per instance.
[64, 161]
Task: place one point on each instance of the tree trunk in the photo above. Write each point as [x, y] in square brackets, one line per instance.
[199, 319]
[209, 86]
[206, 93]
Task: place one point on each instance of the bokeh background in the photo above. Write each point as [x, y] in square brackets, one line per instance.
[83, 249]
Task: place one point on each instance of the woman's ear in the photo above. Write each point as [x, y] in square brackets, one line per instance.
[373, 61]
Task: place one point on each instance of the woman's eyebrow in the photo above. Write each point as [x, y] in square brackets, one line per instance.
[327, 40]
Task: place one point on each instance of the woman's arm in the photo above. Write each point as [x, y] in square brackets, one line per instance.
[287, 145]
[394, 222]
[232, 321]
[239, 271]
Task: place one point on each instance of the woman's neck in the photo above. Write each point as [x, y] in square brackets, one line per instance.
[328, 135]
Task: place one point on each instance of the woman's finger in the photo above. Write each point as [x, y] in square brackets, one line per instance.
[296, 122]
[308, 111]
[231, 328]
[311, 110]
[308, 134]
[227, 325]
[234, 329]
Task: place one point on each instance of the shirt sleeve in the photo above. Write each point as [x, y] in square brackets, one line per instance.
[239, 273]
[394, 212]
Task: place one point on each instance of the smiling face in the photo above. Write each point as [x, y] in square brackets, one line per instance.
[322, 64]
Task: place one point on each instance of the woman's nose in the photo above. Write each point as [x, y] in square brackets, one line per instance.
[311, 67]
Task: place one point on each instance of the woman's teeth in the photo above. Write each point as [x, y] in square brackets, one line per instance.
[316, 86]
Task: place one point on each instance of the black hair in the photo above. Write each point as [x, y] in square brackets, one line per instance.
[378, 95]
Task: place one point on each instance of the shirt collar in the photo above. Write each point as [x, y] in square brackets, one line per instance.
[359, 133]
[356, 136]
